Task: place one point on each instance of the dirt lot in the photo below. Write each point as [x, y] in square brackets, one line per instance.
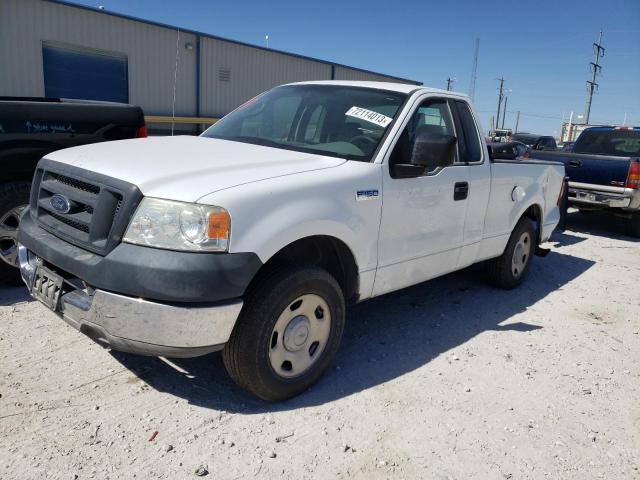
[448, 379]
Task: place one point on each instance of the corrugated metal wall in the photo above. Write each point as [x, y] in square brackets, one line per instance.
[230, 73]
[344, 73]
[151, 51]
[251, 71]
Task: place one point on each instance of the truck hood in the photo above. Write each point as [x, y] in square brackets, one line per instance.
[186, 168]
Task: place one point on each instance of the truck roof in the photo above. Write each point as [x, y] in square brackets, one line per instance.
[395, 87]
[607, 128]
[80, 101]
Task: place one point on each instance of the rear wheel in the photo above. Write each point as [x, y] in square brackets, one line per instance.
[508, 270]
[287, 334]
[14, 198]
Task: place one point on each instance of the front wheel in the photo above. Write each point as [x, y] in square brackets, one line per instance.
[14, 198]
[288, 332]
[509, 269]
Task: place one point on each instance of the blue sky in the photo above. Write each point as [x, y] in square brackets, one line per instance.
[541, 48]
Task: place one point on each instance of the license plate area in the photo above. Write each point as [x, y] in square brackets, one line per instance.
[47, 287]
[591, 197]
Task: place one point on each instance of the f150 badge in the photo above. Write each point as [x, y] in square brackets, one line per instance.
[362, 195]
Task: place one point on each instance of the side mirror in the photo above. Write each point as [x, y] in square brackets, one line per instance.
[433, 150]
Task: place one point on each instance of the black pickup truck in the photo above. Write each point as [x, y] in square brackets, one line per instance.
[604, 172]
[32, 127]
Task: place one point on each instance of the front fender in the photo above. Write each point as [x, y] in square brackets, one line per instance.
[268, 215]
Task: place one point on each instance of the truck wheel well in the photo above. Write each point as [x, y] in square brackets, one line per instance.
[327, 252]
[534, 212]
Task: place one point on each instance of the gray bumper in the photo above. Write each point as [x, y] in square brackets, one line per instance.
[139, 326]
[599, 196]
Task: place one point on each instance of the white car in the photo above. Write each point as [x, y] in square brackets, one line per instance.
[253, 237]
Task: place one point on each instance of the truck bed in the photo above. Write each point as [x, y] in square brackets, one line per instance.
[606, 170]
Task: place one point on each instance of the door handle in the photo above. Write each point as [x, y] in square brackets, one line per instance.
[460, 191]
[574, 163]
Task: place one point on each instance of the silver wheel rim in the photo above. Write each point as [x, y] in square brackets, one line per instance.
[521, 254]
[299, 336]
[9, 235]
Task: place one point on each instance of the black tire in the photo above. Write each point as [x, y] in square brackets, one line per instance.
[500, 270]
[13, 196]
[247, 353]
[633, 225]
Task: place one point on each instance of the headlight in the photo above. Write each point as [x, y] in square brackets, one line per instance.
[179, 226]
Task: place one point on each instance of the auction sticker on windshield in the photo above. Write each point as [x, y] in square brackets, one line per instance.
[369, 116]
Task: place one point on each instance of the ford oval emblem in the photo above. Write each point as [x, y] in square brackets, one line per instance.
[60, 203]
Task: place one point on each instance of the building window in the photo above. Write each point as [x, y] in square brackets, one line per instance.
[76, 72]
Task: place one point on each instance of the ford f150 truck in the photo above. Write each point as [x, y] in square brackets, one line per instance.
[253, 237]
[604, 172]
[32, 127]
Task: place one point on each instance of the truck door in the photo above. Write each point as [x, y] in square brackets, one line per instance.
[423, 217]
[473, 154]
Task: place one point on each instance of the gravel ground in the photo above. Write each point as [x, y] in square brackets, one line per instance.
[447, 379]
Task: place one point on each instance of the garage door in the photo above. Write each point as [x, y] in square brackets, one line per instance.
[85, 74]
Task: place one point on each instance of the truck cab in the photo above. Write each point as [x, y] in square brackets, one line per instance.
[254, 237]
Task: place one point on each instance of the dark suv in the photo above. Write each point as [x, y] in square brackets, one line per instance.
[536, 142]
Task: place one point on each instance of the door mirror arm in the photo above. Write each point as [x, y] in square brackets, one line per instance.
[406, 170]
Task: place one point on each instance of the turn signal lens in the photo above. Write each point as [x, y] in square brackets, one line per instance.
[219, 225]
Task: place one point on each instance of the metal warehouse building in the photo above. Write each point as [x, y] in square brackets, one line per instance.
[56, 49]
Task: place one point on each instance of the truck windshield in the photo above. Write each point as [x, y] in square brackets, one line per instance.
[339, 121]
[618, 142]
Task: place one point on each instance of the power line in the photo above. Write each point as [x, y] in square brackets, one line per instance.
[450, 82]
[504, 110]
[526, 114]
[595, 70]
[474, 71]
[500, 95]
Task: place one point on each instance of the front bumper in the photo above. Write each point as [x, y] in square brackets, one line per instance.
[152, 273]
[140, 326]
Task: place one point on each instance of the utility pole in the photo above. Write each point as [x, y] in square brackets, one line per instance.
[474, 71]
[595, 70]
[504, 110]
[450, 82]
[517, 122]
[500, 95]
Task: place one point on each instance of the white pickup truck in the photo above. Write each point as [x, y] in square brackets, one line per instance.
[253, 237]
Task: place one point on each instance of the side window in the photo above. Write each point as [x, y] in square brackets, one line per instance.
[433, 115]
[549, 143]
[472, 147]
